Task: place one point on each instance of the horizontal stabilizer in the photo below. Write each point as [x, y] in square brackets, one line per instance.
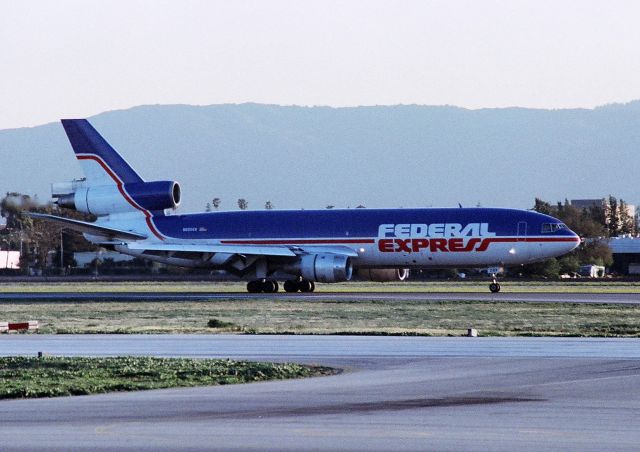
[249, 250]
[88, 228]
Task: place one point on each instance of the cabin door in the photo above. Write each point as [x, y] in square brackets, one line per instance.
[522, 231]
[521, 250]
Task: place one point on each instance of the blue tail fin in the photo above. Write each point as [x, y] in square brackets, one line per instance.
[101, 164]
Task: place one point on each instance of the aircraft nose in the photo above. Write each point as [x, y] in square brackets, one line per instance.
[577, 240]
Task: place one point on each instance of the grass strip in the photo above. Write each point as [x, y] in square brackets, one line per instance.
[356, 286]
[285, 316]
[26, 377]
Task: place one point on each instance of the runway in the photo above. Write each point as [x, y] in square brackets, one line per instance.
[531, 297]
[396, 393]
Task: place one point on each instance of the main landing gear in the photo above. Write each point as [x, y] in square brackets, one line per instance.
[271, 286]
[262, 285]
[299, 285]
[494, 287]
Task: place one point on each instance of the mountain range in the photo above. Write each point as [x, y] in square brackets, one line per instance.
[377, 156]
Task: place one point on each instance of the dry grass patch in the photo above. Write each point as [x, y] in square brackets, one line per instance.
[276, 315]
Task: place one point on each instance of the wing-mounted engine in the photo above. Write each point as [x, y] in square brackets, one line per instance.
[322, 267]
[102, 200]
[383, 274]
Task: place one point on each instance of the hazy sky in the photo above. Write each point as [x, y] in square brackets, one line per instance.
[78, 58]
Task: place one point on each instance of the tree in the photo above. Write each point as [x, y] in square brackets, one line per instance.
[268, 205]
[627, 225]
[569, 263]
[542, 207]
[594, 252]
[545, 269]
[599, 215]
[243, 204]
[43, 237]
[37, 238]
[585, 222]
[70, 240]
[360, 206]
[590, 223]
[614, 217]
[215, 202]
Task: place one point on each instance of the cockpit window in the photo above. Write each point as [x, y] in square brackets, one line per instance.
[552, 227]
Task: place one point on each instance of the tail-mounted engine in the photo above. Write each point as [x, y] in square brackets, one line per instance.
[107, 199]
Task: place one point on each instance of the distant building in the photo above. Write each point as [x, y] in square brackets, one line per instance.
[602, 203]
[626, 254]
[634, 269]
[587, 203]
[10, 260]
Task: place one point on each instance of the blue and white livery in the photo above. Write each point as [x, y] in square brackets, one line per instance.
[306, 246]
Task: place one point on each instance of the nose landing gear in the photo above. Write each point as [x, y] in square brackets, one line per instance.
[494, 287]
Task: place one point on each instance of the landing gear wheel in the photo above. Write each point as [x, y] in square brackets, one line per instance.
[254, 286]
[291, 286]
[494, 287]
[306, 286]
[269, 286]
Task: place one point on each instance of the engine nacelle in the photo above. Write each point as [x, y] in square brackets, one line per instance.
[383, 274]
[324, 267]
[106, 199]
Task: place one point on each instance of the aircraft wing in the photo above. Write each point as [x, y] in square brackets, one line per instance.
[254, 250]
[89, 228]
[248, 250]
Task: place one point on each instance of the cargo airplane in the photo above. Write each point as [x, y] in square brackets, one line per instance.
[136, 217]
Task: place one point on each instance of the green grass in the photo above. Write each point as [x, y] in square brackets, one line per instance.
[230, 287]
[282, 315]
[22, 377]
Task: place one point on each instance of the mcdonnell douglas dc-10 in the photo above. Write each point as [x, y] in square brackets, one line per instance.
[135, 217]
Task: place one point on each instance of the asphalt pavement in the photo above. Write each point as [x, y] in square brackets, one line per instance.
[396, 393]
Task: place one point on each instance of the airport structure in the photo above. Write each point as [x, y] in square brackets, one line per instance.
[626, 254]
[9, 260]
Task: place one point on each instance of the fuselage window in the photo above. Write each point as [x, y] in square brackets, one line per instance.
[552, 227]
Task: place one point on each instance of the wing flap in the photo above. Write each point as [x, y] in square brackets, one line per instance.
[332, 249]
